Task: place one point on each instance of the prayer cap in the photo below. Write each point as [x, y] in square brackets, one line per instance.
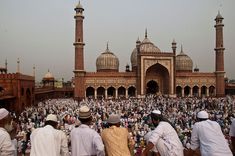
[113, 119]
[84, 112]
[51, 117]
[3, 113]
[202, 115]
[157, 112]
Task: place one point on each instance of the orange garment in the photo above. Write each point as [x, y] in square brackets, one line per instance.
[116, 141]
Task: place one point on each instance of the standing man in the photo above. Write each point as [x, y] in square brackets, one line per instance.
[207, 135]
[7, 148]
[48, 141]
[84, 140]
[116, 139]
[164, 137]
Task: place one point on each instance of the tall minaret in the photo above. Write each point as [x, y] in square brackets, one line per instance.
[219, 56]
[79, 73]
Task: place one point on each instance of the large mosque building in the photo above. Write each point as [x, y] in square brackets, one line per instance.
[152, 71]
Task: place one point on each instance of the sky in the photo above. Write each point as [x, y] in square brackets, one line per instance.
[41, 32]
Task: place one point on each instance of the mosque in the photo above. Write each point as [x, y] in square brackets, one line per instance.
[152, 71]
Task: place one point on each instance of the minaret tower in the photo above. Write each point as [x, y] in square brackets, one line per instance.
[219, 56]
[79, 73]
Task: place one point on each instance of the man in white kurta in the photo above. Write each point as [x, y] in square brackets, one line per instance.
[84, 140]
[164, 138]
[48, 141]
[207, 136]
[6, 146]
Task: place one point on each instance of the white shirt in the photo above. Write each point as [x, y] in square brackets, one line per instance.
[86, 142]
[47, 141]
[208, 135]
[165, 133]
[232, 129]
[6, 146]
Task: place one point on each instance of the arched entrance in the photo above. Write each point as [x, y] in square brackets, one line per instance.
[152, 87]
[90, 92]
[28, 97]
[121, 92]
[179, 91]
[157, 79]
[100, 92]
[211, 91]
[196, 91]
[186, 91]
[203, 91]
[111, 92]
[131, 91]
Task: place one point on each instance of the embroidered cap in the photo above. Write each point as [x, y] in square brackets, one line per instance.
[3, 113]
[157, 112]
[202, 115]
[51, 117]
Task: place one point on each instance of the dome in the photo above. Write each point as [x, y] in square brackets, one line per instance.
[134, 58]
[147, 46]
[183, 62]
[48, 75]
[107, 61]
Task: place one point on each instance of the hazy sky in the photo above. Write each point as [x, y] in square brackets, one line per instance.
[41, 32]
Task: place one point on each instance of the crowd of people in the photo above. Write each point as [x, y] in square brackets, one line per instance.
[134, 115]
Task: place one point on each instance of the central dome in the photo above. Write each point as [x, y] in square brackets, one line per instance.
[107, 61]
[147, 46]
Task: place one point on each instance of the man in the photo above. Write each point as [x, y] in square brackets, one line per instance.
[48, 141]
[7, 148]
[232, 134]
[84, 140]
[207, 135]
[116, 139]
[164, 137]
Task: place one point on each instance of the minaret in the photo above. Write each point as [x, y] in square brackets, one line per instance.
[174, 46]
[219, 56]
[79, 91]
[138, 68]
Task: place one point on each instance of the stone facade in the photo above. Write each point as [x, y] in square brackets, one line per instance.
[153, 71]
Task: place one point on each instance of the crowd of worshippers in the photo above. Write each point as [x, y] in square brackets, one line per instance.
[154, 125]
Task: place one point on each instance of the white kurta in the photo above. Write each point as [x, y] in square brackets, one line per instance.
[232, 129]
[85, 141]
[208, 136]
[166, 140]
[48, 141]
[6, 146]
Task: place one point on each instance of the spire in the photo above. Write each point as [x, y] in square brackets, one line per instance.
[18, 65]
[146, 33]
[107, 46]
[181, 51]
[34, 70]
[6, 64]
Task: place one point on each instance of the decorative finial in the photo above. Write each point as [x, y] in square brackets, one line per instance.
[107, 46]
[181, 49]
[146, 33]
[6, 63]
[173, 42]
[34, 70]
[48, 70]
[18, 65]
